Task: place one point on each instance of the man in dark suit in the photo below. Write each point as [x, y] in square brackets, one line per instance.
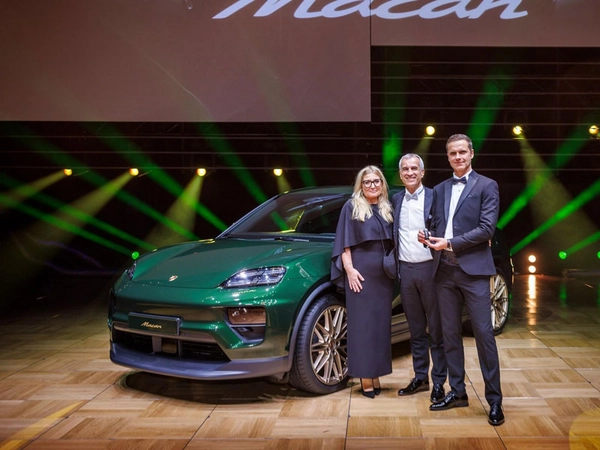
[464, 215]
[412, 207]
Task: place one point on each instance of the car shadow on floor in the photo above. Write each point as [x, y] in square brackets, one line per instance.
[229, 392]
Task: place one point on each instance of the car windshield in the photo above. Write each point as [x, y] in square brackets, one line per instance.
[294, 215]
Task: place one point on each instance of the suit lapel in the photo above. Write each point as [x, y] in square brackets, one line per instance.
[447, 198]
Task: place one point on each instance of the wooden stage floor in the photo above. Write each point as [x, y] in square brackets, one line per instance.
[59, 390]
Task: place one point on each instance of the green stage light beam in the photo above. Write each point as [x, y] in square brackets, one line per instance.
[583, 244]
[560, 215]
[550, 196]
[488, 105]
[294, 146]
[109, 190]
[235, 163]
[20, 193]
[182, 211]
[63, 160]
[563, 155]
[132, 153]
[60, 229]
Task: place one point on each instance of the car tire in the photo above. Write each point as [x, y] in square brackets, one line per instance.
[500, 299]
[320, 358]
[499, 305]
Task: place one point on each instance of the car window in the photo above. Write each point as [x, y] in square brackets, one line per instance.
[301, 213]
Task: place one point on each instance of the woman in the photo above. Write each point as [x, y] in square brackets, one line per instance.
[364, 233]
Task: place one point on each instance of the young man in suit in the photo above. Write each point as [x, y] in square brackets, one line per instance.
[415, 262]
[464, 215]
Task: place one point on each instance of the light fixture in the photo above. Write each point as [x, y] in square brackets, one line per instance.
[134, 172]
[532, 269]
[562, 255]
[277, 172]
[201, 172]
[429, 130]
[532, 258]
[68, 172]
[594, 130]
[517, 131]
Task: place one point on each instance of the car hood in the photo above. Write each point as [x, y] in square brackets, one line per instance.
[206, 264]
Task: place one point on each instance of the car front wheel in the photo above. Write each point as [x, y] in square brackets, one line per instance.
[500, 302]
[320, 360]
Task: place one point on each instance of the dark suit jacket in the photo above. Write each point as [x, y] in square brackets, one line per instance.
[397, 200]
[474, 222]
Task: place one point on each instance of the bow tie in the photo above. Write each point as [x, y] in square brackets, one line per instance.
[462, 180]
[408, 196]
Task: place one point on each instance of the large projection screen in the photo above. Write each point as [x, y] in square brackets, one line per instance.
[242, 60]
[171, 60]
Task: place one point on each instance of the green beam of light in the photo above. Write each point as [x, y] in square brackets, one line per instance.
[488, 105]
[182, 212]
[20, 192]
[299, 158]
[562, 214]
[131, 152]
[84, 209]
[563, 155]
[583, 244]
[392, 149]
[237, 166]
[63, 160]
[552, 195]
[396, 76]
[61, 230]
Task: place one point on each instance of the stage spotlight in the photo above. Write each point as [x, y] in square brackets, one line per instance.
[135, 255]
[593, 130]
[531, 258]
[201, 172]
[562, 255]
[532, 269]
[68, 172]
[517, 131]
[429, 130]
[134, 172]
[277, 172]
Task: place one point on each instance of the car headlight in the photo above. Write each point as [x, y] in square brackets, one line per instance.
[264, 276]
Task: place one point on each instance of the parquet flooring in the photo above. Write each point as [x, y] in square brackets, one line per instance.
[59, 390]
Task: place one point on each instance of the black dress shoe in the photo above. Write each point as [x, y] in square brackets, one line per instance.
[376, 386]
[496, 416]
[437, 393]
[414, 386]
[370, 393]
[450, 401]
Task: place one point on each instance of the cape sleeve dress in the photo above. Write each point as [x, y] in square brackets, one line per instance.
[370, 310]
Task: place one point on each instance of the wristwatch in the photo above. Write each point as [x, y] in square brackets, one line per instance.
[449, 245]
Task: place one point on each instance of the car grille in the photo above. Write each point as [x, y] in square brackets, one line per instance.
[176, 348]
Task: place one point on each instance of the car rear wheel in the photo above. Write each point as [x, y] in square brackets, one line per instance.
[500, 302]
[320, 360]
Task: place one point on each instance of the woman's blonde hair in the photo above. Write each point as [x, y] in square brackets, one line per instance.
[361, 208]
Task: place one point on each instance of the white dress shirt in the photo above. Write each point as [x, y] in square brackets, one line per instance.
[457, 189]
[412, 220]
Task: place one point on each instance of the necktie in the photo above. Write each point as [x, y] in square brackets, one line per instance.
[408, 196]
[462, 180]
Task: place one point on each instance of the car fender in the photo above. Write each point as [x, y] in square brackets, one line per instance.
[326, 286]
